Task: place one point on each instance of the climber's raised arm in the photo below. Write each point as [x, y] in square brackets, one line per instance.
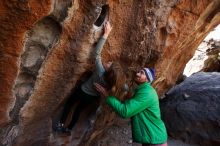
[97, 53]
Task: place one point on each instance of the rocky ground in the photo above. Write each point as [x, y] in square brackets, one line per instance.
[120, 133]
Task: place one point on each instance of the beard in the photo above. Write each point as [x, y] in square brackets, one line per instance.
[136, 80]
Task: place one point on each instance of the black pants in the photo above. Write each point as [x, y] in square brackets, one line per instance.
[84, 101]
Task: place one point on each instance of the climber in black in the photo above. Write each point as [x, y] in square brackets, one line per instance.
[86, 93]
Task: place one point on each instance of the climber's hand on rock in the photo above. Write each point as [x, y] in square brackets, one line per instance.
[107, 29]
[103, 92]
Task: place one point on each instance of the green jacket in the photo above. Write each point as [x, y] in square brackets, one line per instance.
[143, 109]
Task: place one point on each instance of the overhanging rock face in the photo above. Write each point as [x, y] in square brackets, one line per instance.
[47, 45]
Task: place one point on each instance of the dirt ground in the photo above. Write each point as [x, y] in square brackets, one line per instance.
[119, 134]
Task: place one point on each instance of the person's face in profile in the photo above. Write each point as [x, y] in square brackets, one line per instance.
[140, 77]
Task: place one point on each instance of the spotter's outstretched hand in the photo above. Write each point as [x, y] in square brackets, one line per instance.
[103, 92]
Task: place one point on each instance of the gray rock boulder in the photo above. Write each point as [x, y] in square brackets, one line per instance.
[191, 110]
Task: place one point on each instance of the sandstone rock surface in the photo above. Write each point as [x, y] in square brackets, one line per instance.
[46, 45]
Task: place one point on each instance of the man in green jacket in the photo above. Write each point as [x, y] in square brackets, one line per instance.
[142, 108]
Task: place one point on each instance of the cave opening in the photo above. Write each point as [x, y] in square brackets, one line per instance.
[207, 55]
[103, 16]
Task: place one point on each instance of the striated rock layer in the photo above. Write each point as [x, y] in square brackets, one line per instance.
[46, 46]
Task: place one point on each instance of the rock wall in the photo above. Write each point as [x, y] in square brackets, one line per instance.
[16, 19]
[187, 25]
[212, 64]
[46, 46]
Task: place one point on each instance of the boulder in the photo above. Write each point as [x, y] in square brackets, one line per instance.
[191, 109]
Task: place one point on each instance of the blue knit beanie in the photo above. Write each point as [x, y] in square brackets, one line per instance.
[150, 73]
